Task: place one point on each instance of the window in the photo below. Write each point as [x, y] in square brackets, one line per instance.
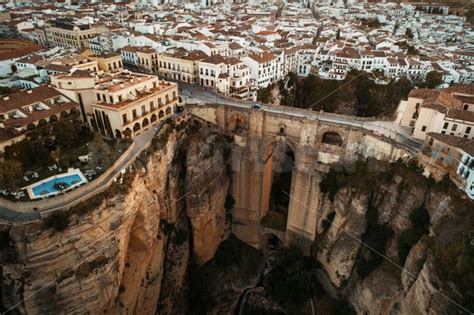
[445, 126]
[423, 128]
[455, 126]
[124, 118]
[134, 113]
[468, 130]
[466, 106]
[98, 96]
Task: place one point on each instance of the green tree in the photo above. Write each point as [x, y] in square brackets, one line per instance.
[10, 171]
[43, 156]
[21, 151]
[66, 134]
[101, 150]
[470, 16]
[433, 79]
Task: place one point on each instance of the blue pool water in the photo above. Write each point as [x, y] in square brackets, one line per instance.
[48, 187]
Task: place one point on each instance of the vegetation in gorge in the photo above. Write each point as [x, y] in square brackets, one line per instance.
[363, 176]
[452, 246]
[375, 239]
[235, 265]
[420, 220]
[290, 283]
[358, 94]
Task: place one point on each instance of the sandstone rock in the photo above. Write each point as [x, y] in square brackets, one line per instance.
[206, 186]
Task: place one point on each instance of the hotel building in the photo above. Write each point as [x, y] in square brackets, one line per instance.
[128, 104]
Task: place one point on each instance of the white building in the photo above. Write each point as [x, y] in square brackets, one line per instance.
[263, 68]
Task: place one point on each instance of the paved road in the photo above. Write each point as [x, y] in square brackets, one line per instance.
[196, 94]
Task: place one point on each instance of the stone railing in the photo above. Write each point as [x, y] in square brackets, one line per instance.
[75, 196]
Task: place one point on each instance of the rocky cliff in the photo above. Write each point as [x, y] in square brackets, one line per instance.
[415, 241]
[108, 254]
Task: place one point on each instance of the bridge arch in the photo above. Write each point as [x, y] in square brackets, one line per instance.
[278, 164]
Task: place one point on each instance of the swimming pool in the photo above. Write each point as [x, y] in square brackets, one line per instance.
[56, 184]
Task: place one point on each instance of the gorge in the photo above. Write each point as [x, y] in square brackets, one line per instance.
[181, 231]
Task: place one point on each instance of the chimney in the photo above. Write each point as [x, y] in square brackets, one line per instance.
[29, 91]
[6, 98]
[122, 86]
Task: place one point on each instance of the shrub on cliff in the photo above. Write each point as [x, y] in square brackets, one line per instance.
[329, 185]
[8, 253]
[57, 221]
[375, 242]
[420, 220]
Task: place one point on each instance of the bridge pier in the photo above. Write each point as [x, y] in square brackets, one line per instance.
[303, 209]
[247, 189]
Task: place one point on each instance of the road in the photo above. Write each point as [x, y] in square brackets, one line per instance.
[197, 94]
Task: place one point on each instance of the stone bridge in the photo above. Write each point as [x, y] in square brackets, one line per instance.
[316, 141]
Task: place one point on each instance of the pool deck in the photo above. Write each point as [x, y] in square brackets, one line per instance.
[33, 196]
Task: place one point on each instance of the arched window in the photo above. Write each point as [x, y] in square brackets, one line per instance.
[332, 138]
[136, 127]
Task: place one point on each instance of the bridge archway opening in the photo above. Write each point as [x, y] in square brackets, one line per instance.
[276, 185]
[332, 138]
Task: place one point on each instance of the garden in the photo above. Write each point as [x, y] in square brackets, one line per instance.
[54, 149]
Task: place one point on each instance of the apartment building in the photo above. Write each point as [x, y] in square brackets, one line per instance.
[144, 59]
[65, 33]
[107, 43]
[180, 64]
[446, 154]
[77, 85]
[263, 68]
[225, 75]
[305, 59]
[109, 63]
[29, 110]
[437, 111]
[129, 103]
[210, 69]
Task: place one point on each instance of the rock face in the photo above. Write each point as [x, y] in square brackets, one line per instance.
[206, 190]
[387, 289]
[111, 256]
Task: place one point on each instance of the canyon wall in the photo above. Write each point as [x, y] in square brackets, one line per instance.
[110, 255]
[381, 213]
